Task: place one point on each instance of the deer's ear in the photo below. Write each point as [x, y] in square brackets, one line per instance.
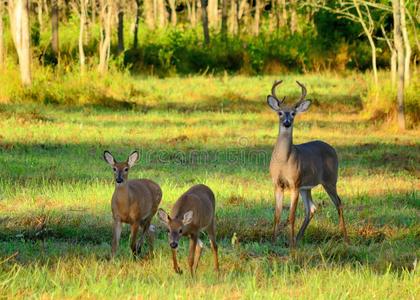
[302, 106]
[273, 103]
[109, 158]
[133, 158]
[188, 217]
[163, 216]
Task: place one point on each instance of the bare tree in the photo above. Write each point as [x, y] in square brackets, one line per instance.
[234, 17]
[19, 23]
[82, 58]
[39, 10]
[224, 18]
[54, 29]
[406, 44]
[105, 16]
[205, 21]
[293, 17]
[2, 49]
[161, 13]
[194, 13]
[149, 12]
[358, 11]
[172, 6]
[398, 38]
[93, 11]
[136, 25]
[120, 14]
[256, 27]
[282, 13]
[393, 60]
[212, 12]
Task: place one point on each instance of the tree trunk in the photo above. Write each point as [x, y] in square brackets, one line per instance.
[105, 38]
[393, 60]
[54, 29]
[398, 38]
[193, 13]
[172, 6]
[224, 18]
[283, 17]
[136, 25]
[272, 21]
[205, 22]
[82, 58]
[149, 12]
[19, 23]
[293, 17]
[406, 45]
[371, 41]
[233, 17]
[121, 28]
[256, 27]
[244, 13]
[93, 12]
[161, 13]
[2, 49]
[393, 67]
[212, 11]
[39, 9]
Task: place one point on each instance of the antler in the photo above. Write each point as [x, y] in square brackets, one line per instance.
[273, 90]
[302, 97]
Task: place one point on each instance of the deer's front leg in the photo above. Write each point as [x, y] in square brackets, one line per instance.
[174, 260]
[279, 194]
[294, 197]
[116, 235]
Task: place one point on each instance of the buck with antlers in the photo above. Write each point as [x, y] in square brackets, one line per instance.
[300, 168]
[134, 202]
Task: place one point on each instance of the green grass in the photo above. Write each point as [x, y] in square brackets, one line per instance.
[55, 191]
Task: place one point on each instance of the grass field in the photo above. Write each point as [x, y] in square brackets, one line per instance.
[55, 191]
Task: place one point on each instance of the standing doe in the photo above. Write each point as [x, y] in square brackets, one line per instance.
[193, 212]
[300, 167]
[134, 202]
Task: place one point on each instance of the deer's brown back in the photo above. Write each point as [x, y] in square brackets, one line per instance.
[199, 199]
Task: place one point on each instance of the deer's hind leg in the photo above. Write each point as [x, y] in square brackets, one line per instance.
[294, 197]
[309, 211]
[212, 236]
[133, 239]
[332, 193]
[145, 232]
[191, 256]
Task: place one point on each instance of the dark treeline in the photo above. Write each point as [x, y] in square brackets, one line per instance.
[164, 37]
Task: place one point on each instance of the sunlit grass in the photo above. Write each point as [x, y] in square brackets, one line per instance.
[55, 192]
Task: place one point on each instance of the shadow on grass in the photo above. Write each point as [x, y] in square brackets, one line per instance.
[373, 244]
[227, 102]
[83, 162]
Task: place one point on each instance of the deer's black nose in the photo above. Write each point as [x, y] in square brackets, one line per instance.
[173, 245]
[287, 124]
[119, 180]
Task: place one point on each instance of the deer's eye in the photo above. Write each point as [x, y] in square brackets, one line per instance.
[125, 169]
[115, 169]
[293, 113]
[180, 231]
[281, 113]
